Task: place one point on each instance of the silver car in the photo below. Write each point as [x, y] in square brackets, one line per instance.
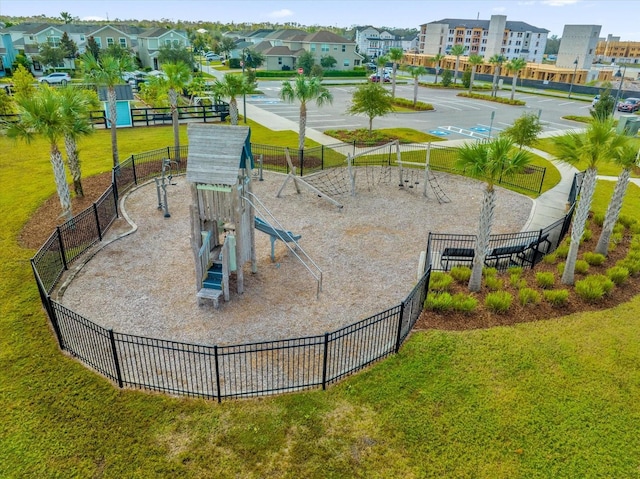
[58, 78]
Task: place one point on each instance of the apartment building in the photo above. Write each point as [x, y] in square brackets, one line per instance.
[612, 50]
[374, 42]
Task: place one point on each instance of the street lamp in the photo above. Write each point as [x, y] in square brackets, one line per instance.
[619, 75]
[244, 95]
[573, 78]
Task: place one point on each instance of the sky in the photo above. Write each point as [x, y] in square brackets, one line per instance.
[549, 14]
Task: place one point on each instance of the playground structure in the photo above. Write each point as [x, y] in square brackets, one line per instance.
[162, 183]
[333, 182]
[223, 211]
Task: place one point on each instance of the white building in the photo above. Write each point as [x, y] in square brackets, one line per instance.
[374, 43]
[578, 43]
[485, 38]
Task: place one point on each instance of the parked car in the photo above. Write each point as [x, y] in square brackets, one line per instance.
[212, 57]
[376, 78]
[371, 66]
[596, 99]
[630, 105]
[58, 78]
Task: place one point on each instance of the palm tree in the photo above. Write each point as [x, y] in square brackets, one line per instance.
[598, 143]
[40, 114]
[515, 65]
[178, 76]
[456, 51]
[416, 73]
[488, 161]
[76, 106]
[381, 62]
[474, 61]
[231, 86]
[305, 89]
[107, 72]
[627, 158]
[436, 60]
[497, 61]
[395, 55]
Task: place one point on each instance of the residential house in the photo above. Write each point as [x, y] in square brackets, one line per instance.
[374, 42]
[150, 41]
[511, 39]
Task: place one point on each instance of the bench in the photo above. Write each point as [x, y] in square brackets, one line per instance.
[457, 255]
[504, 252]
[533, 250]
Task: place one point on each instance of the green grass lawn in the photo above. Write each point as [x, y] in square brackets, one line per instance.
[550, 399]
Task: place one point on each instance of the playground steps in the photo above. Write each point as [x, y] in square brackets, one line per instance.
[213, 279]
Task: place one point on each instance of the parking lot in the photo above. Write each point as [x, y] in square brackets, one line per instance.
[454, 117]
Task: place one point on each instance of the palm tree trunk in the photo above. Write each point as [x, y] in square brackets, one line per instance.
[494, 85]
[302, 125]
[415, 91]
[473, 74]
[60, 178]
[73, 162]
[233, 110]
[513, 85]
[613, 211]
[173, 101]
[393, 84]
[455, 73]
[484, 234]
[113, 119]
[579, 222]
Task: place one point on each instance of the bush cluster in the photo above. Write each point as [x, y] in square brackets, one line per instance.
[496, 99]
[419, 106]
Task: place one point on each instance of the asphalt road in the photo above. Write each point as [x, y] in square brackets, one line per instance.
[454, 117]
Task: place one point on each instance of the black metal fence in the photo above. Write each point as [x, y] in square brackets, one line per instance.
[440, 158]
[236, 371]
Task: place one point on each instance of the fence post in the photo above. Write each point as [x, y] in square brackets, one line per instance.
[215, 361]
[54, 320]
[324, 361]
[116, 363]
[64, 259]
[535, 251]
[95, 214]
[544, 172]
[399, 336]
[133, 167]
[301, 157]
[322, 157]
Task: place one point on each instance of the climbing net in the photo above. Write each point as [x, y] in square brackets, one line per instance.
[332, 181]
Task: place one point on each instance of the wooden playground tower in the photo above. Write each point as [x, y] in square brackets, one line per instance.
[219, 167]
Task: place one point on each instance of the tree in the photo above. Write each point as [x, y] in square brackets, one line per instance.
[515, 65]
[170, 53]
[22, 60]
[178, 76]
[447, 76]
[597, 144]
[553, 45]
[457, 51]
[466, 78]
[474, 61]
[107, 72]
[50, 56]
[436, 60]
[304, 90]
[372, 100]
[524, 131]
[23, 82]
[306, 61]
[76, 106]
[68, 46]
[395, 55]
[40, 115]
[254, 59]
[328, 61]
[117, 51]
[6, 103]
[626, 157]
[603, 108]
[225, 45]
[488, 161]
[93, 47]
[67, 18]
[231, 86]
[416, 73]
[381, 63]
[497, 61]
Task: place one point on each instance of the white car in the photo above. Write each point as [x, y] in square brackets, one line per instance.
[595, 100]
[55, 79]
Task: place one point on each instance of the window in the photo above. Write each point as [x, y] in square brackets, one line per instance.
[98, 41]
[109, 41]
[312, 47]
[123, 42]
[54, 41]
[324, 48]
[279, 60]
[346, 63]
[344, 48]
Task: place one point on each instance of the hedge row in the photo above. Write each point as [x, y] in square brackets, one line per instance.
[496, 99]
[325, 74]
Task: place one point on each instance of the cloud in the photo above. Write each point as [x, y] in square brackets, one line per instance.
[284, 13]
[93, 18]
[559, 3]
[499, 9]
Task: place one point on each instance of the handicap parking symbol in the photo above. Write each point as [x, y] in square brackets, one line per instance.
[439, 132]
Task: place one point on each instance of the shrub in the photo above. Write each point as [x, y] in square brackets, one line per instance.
[489, 272]
[562, 251]
[461, 274]
[493, 283]
[515, 270]
[498, 99]
[598, 219]
[618, 274]
[440, 281]
[560, 268]
[556, 297]
[528, 296]
[619, 228]
[594, 259]
[439, 302]
[545, 280]
[498, 301]
[581, 266]
[464, 303]
[627, 221]
[515, 280]
[631, 265]
[635, 228]
[586, 236]
[419, 106]
[550, 258]
[635, 243]
[616, 239]
[593, 288]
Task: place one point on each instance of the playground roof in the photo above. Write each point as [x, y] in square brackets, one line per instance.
[217, 152]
